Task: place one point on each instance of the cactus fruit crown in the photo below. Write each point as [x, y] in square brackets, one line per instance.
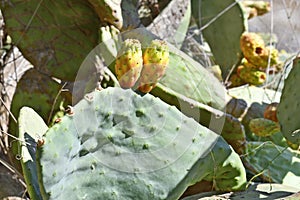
[257, 57]
[149, 65]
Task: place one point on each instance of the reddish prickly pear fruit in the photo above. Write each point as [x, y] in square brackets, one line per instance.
[251, 75]
[271, 112]
[156, 60]
[129, 63]
[263, 127]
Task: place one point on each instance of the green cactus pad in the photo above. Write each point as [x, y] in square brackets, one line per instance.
[288, 111]
[234, 133]
[220, 122]
[204, 114]
[39, 92]
[222, 22]
[54, 36]
[276, 164]
[191, 79]
[252, 94]
[119, 145]
[31, 129]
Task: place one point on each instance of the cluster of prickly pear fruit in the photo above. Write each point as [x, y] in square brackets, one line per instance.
[257, 57]
[147, 66]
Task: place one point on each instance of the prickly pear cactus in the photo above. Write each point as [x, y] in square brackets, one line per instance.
[252, 95]
[252, 45]
[236, 107]
[288, 109]
[54, 36]
[222, 123]
[274, 163]
[156, 60]
[31, 129]
[129, 63]
[148, 145]
[205, 115]
[184, 75]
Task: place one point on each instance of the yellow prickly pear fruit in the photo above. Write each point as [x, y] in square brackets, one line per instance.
[252, 45]
[263, 127]
[129, 63]
[254, 50]
[156, 60]
[251, 75]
